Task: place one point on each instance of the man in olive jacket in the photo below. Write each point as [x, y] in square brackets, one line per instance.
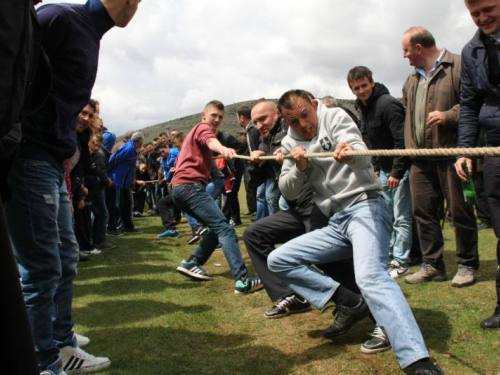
[431, 95]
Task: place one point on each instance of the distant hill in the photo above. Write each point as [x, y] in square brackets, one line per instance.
[229, 124]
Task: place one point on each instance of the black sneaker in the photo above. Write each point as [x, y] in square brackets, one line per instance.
[133, 231]
[345, 317]
[114, 233]
[286, 306]
[248, 285]
[378, 343]
[198, 233]
[105, 246]
[424, 367]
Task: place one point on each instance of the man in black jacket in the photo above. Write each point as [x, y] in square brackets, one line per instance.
[383, 124]
[480, 109]
[38, 213]
[268, 121]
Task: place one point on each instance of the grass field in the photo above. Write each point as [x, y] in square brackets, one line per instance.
[149, 319]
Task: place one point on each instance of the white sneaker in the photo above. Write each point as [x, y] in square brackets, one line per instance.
[396, 270]
[77, 361]
[91, 252]
[81, 340]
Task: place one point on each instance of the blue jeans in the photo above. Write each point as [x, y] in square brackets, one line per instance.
[399, 201]
[214, 188]
[100, 212]
[268, 196]
[363, 232]
[195, 201]
[46, 251]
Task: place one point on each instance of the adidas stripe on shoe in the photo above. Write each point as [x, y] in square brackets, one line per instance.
[193, 270]
[249, 285]
[77, 361]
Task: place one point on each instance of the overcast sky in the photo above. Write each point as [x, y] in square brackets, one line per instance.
[177, 55]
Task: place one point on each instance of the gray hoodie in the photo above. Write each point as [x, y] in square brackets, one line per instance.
[337, 186]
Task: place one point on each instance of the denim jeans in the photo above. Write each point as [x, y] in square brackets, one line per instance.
[100, 217]
[214, 188]
[268, 196]
[399, 202]
[46, 251]
[362, 231]
[195, 201]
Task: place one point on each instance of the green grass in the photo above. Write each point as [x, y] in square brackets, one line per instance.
[149, 319]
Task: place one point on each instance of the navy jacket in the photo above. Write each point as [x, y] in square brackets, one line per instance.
[383, 125]
[71, 39]
[479, 100]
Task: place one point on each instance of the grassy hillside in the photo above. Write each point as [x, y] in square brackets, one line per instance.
[229, 123]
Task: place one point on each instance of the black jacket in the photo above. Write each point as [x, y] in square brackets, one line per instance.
[383, 125]
[480, 95]
[271, 144]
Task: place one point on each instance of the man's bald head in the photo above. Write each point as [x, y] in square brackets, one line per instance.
[265, 114]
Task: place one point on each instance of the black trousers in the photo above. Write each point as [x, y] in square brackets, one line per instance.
[139, 201]
[166, 207]
[83, 226]
[261, 237]
[119, 202]
[231, 208]
[251, 191]
[431, 182]
[19, 354]
[492, 191]
[482, 209]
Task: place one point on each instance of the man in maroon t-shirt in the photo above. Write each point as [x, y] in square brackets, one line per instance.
[189, 194]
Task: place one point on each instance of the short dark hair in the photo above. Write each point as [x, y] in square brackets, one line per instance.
[244, 111]
[287, 99]
[163, 134]
[422, 36]
[216, 104]
[93, 104]
[179, 137]
[359, 72]
[160, 145]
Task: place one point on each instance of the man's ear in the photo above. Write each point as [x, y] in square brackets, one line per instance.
[202, 114]
[315, 104]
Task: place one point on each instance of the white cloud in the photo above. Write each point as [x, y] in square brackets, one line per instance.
[177, 55]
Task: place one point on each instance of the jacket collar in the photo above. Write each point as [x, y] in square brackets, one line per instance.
[99, 17]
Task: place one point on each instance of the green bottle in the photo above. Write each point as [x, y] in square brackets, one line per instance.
[468, 187]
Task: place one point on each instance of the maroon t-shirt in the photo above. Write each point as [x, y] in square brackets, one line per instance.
[194, 162]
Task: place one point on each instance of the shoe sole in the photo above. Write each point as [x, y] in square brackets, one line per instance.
[437, 279]
[250, 291]
[106, 248]
[463, 285]
[373, 351]
[288, 313]
[160, 236]
[192, 275]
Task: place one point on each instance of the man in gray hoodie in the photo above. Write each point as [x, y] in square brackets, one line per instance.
[348, 191]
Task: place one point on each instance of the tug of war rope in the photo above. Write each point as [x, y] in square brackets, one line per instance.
[467, 152]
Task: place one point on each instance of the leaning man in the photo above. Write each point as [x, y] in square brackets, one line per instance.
[348, 191]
